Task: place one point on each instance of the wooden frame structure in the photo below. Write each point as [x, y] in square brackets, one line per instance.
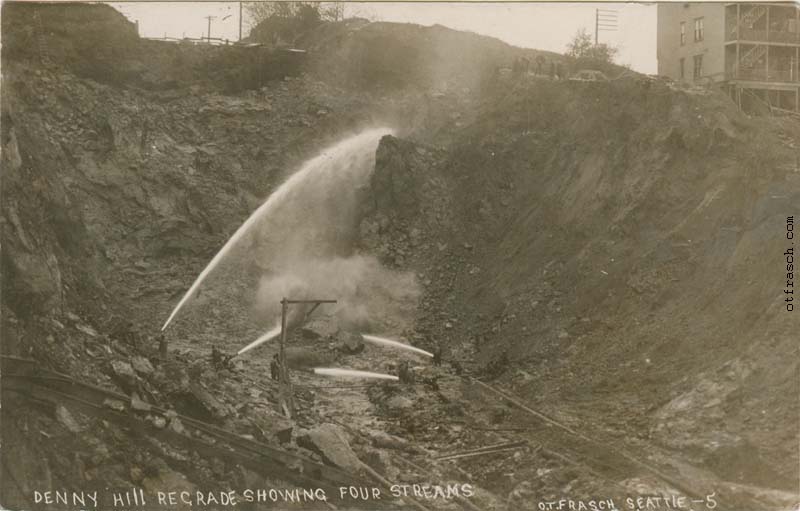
[286, 398]
[747, 44]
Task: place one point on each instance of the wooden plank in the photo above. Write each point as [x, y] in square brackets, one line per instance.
[504, 445]
[479, 453]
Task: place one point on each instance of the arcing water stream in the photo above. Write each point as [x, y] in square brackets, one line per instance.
[316, 200]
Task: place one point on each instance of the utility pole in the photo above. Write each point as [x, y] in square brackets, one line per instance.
[240, 21]
[285, 397]
[605, 20]
[209, 18]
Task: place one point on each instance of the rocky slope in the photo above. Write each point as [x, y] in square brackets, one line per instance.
[622, 244]
[610, 251]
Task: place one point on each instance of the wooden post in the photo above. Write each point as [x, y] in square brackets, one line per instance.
[766, 61]
[738, 37]
[738, 21]
[285, 391]
[286, 398]
[767, 23]
[240, 21]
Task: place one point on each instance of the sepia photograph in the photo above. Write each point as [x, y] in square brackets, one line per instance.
[367, 256]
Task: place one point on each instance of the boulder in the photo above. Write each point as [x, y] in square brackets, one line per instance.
[114, 404]
[274, 426]
[138, 404]
[177, 426]
[209, 405]
[322, 328]
[124, 373]
[349, 343]
[67, 420]
[141, 365]
[387, 441]
[330, 442]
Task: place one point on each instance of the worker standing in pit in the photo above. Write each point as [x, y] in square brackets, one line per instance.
[405, 373]
[437, 355]
[162, 346]
[216, 358]
[275, 368]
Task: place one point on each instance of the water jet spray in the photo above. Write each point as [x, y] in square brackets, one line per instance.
[352, 373]
[381, 341]
[333, 158]
[275, 332]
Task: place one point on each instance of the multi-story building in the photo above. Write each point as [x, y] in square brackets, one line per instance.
[753, 49]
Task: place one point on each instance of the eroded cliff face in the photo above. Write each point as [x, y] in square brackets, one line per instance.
[599, 248]
[117, 189]
[108, 180]
[604, 246]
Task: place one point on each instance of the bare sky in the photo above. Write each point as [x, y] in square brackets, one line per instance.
[547, 26]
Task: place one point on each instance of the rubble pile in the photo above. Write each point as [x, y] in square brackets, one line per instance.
[597, 249]
[539, 271]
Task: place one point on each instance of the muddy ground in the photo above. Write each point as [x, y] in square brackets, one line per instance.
[601, 263]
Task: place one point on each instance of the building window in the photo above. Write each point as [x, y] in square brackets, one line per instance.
[698, 67]
[698, 29]
[683, 74]
[683, 33]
